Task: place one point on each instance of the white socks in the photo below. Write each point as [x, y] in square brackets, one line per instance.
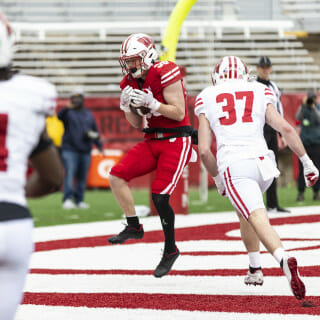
[254, 259]
[279, 254]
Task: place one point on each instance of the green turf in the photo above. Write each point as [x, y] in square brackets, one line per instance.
[48, 210]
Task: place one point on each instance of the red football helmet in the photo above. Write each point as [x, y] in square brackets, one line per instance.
[139, 47]
[6, 42]
[229, 67]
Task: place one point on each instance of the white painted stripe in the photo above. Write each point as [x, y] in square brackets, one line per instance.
[184, 145]
[146, 256]
[152, 223]
[169, 73]
[33, 312]
[189, 144]
[168, 79]
[216, 285]
[233, 197]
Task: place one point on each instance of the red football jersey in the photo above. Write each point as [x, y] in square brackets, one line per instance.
[160, 75]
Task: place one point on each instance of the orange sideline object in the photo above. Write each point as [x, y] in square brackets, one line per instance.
[100, 166]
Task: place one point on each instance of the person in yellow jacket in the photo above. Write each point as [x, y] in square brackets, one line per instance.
[55, 130]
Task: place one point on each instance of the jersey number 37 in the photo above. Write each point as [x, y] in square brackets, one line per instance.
[227, 102]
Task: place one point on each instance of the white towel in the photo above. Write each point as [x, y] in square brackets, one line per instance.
[267, 167]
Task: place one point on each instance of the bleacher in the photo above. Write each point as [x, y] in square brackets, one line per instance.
[306, 13]
[84, 52]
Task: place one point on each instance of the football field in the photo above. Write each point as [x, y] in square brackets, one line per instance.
[76, 274]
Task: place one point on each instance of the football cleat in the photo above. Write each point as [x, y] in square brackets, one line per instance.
[255, 278]
[290, 269]
[166, 263]
[128, 233]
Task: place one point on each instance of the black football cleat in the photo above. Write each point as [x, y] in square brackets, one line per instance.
[126, 234]
[166, 263]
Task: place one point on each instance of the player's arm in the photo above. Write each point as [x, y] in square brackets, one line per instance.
[134, 119]
[278, 123]
[175, 107]
[204, 146]
[173, 95]
[48, 174]
[275, 120]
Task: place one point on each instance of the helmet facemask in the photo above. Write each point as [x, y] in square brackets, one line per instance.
[141, 48]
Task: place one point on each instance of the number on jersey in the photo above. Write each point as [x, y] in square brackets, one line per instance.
[227, 102]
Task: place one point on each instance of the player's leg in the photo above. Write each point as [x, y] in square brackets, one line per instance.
[244, 191]
[138, 161]
[175, 155]
[82, 172]
[251, 241]
[69, 159]
[271, 240]
[14, 263]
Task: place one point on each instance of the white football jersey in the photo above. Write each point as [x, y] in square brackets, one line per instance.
[24, 104]
[236, 111]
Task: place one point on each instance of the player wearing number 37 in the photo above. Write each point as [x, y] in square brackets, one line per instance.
[235, 110]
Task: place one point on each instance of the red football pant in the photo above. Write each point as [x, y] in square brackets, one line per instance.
[168, 157]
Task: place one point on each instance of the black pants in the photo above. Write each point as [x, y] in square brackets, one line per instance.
[313, 152]
[270, 136]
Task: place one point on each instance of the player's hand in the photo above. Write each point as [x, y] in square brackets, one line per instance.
[144, 98]
[311, 173]
[125, 98]
[220, 186]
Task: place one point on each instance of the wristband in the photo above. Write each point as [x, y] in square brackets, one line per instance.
[305, 159]
[154, 105]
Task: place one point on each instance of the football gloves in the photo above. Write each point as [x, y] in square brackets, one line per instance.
[125, 99]
[310, 172]
[144, 98]
[220, 186]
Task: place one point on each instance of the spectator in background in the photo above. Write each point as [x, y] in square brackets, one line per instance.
[309, 116]
[25, 102]
[80, 133]
[264, 69]
[55, 130]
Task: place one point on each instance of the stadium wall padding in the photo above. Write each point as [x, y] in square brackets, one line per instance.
[116, 132]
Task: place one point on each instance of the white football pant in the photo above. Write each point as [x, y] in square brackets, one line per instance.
[16, 246]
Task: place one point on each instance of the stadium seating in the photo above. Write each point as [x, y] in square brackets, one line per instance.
[72, 45]
[306, 13]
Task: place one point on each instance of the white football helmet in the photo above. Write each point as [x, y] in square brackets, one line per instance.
[138, 45]
[229, 67]
[6, 42]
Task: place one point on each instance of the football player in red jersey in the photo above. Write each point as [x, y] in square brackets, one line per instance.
[153, 90]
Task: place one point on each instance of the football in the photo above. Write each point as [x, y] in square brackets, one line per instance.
[140, 111]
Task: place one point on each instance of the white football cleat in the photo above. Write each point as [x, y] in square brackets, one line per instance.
[68, 204]
[290, 269]
[255, 278]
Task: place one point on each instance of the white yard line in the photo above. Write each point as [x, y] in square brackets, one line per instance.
[216, 285]
[27, 312]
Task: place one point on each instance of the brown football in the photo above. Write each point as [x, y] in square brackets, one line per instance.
[140, 111]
